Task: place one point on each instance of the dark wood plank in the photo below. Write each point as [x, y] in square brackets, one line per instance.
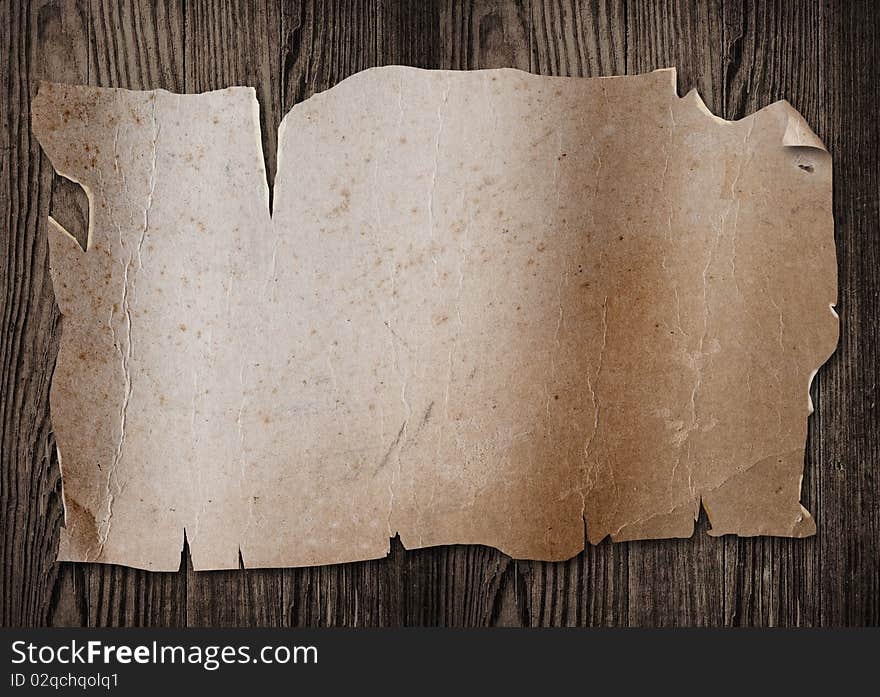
[41, 40]
[740, 54]
[479, 34]
[236, 43]
[677, 582]
[849, 47]
[770, 53]
[242, 598]
[409, 34]
[122, 597]
[323, 42]
[455, 585]
[135, 44]
[572, 38]
[578, 39]
[460, 585]
[684, 34]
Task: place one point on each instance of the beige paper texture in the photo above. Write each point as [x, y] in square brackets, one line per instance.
[488, 307]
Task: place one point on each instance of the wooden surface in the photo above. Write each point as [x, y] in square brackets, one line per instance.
[740, 54]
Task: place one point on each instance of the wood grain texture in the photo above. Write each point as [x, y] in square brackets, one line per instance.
[740, 54]
[675, 582]
[236, 43]
[577, 39]
[849, 421]
[34, 46]
[134, 44]
[770, 54]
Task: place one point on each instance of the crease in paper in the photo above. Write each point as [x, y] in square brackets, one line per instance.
[488, 307]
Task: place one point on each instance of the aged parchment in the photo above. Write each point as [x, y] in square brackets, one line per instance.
[488, 307]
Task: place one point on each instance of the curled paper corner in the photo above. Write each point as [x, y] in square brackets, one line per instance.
[493, 308]
[797, 131]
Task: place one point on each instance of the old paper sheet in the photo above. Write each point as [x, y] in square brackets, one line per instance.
[488, 307]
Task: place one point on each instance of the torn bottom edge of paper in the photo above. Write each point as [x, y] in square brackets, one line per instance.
[486, 307]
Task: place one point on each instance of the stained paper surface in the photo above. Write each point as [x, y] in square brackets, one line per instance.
[487, 307]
